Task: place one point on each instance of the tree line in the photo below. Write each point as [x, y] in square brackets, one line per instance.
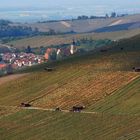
[112, 15]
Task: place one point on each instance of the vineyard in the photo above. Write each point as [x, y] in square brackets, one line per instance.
[104, 82]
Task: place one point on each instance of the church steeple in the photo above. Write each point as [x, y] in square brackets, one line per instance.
[73, 47]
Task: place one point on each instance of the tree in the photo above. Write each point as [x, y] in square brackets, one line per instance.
[0, 58]
[83, 17]
[107, 16]
[53, 55]
[52, 32]
[113, 14]
[28, 50]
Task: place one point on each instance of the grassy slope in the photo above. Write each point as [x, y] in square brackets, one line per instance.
[56, 40]
[88, 80]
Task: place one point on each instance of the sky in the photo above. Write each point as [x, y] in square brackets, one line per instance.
[43, 3]
[66, 8]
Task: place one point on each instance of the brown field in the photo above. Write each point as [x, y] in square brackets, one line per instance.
[85, 90]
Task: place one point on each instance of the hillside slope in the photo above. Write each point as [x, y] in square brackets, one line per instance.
[104, 82]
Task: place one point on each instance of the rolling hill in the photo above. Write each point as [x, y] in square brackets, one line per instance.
[104, 82]
[102, 28]
[64, 39]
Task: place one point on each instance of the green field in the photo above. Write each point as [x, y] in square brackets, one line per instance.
[104, 82]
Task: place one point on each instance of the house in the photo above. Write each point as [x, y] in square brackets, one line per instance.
[2, 65]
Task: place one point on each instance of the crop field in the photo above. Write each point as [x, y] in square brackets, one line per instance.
[103, 82]
[64, 39]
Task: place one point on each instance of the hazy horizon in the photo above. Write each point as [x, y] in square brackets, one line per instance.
[35, 10]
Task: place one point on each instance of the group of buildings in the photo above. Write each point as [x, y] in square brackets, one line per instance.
[19, 60]
[60, 53]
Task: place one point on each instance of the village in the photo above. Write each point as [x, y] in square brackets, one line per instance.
[10, 61]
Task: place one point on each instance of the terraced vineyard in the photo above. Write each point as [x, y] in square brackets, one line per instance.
[104, 82]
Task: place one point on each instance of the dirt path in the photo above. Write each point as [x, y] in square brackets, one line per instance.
[10, 78]
[46, 109]
[66, 111]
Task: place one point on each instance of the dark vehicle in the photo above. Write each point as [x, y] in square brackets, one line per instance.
[77, 108]
[49, 69]
[57, 109]
[136, 69]
[25, 105]
[103, 50]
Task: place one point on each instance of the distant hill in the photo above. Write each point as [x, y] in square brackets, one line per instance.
[61, 32]
[87, 25]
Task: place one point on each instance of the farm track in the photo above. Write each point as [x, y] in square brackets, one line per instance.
[46, 109]
[66, 111]
[62, 110]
